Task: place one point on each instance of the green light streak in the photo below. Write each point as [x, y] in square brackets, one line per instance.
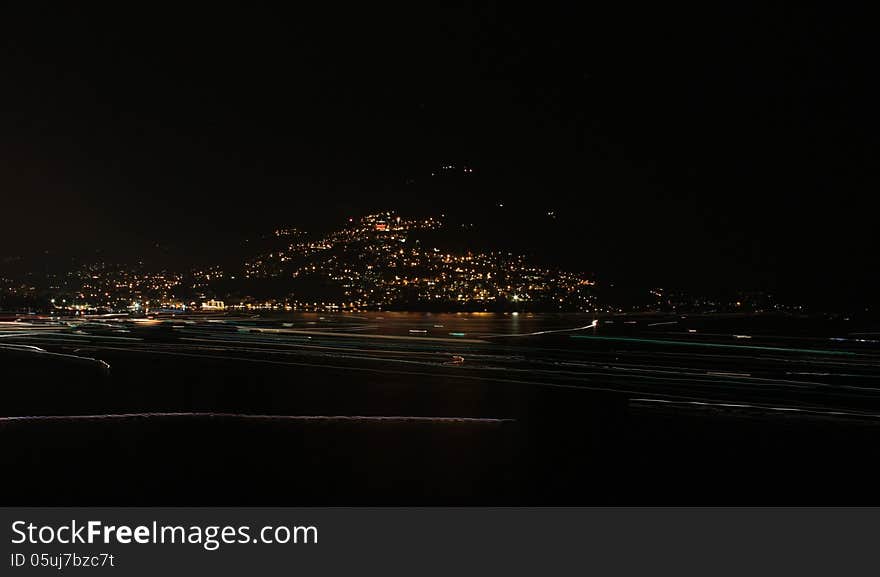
[713, 345]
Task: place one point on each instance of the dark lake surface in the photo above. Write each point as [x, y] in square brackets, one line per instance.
[346, 409]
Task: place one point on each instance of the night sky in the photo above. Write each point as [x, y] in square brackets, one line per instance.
[705, 146]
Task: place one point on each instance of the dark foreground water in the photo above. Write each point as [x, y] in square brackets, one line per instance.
[235, 412]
